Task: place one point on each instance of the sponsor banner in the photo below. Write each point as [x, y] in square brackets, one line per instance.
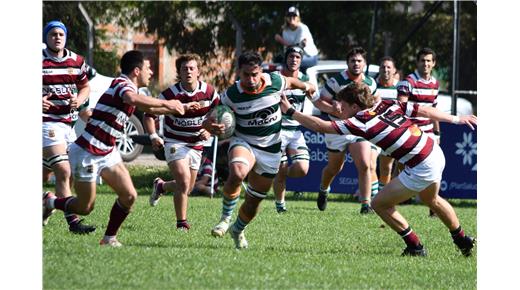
[459, 144]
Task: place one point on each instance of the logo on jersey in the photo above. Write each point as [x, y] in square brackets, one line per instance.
[89, 168]
[70, 70]
[264, 117]
[52, 134]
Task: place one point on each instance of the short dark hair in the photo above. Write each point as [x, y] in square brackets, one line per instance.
[250, 58]
[357, 50]
[185, 58]
[386, 58]
[130, 60]
[426, 51]
[357, 93]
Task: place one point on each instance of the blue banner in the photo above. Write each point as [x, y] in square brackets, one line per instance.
[459, 144]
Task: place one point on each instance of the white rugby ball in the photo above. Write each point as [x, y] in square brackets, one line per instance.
[224, 115]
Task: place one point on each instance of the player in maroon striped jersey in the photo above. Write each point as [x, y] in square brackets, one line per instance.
[64, 89]
[184, 135]
[94, 153]
[422, 88]
[387, 124]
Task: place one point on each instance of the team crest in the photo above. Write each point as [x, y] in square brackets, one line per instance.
[70, 70]
[52, 134]
[415, 131]
[172, 150]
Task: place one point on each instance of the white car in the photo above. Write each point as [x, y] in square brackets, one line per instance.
[128, 148]
[319, 74]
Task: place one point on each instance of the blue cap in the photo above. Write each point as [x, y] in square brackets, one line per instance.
[53, 24]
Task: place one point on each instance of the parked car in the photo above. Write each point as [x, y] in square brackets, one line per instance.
[125, 144]
[319, 74]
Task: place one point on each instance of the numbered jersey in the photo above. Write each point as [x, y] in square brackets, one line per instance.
[258, 115]
[297, 99]
[108, 118]
[341, 80]
[388, 126]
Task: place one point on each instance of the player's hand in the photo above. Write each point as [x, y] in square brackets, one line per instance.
[46, 104]
[284, 103]
[73, 102]
[337, 107]
[211, 125]
[175, 106]
[191, 106]
[311, 89]
[204, 135]
[470, 120]
[157, 143]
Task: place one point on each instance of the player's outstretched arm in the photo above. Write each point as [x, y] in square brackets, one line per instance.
[438, 115]
[294, 83]
[154, 105]
[313, 123]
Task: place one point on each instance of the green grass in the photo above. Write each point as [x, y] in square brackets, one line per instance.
[304, 248]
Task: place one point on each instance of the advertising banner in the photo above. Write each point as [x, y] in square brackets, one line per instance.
[459, 144]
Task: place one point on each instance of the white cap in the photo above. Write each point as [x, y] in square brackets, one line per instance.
[293, 11]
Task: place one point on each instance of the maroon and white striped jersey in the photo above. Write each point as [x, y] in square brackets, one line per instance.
[186, 128]
[61, 78]
[108, 118]
[388, 125]
[420, 91]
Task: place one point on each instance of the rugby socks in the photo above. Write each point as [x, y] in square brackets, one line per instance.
[118, 215]
[457, 234]
[324, 191]
[183, 224]
[375, 188]
[280, 204]
[71, 218]
[410, 238]
[228, 205]
[239, 225]
[61, 203]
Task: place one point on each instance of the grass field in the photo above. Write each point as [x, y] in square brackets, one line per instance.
[303, 248]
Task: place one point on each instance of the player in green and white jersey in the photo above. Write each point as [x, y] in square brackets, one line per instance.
[254, 150]
[387, 89]
[364, 158]
[293, 142]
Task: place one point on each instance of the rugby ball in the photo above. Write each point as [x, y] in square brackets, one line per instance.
[224, 115]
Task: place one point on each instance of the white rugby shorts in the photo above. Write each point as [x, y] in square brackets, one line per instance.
[294, 140]
[54, 133]
[86, 167]
[339, 143]
[177, 151]
[266, 163]
[425, 173]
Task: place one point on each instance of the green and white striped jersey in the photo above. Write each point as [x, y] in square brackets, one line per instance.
[341, 80]
[387, 92]
[258, 115]
[297, 98]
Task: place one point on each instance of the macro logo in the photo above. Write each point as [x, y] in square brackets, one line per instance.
[264, 117]
[467, 149]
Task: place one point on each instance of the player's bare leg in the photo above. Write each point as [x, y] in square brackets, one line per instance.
[361, 154]
[184, 180]
[241, 160]
[279, 187]
[118, 178]
[333, 167]
[257, 189]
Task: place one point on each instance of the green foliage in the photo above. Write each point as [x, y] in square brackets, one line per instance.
[304, 248]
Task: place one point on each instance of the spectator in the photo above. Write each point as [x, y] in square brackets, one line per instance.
[294, 32]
